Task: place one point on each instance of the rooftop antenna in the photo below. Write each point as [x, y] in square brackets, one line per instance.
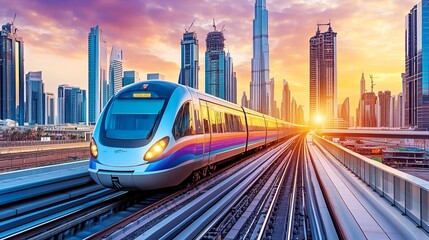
[214, 24]
[223, 28]
[189, 28]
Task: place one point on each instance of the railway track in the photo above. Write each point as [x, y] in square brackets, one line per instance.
[262, 196]
[82, 210]
[233, 205]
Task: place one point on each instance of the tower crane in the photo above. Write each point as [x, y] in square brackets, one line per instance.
[214, 24]
[372, 82]
[189, 28]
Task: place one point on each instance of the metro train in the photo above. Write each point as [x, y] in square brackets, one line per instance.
[155, 134]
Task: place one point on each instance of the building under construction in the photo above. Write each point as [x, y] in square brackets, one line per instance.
[215, 63]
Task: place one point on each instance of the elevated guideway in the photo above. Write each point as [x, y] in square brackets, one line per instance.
[375, 133]
[369, 199]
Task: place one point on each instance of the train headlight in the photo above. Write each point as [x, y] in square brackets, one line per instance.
[93, 149]
[156, 149]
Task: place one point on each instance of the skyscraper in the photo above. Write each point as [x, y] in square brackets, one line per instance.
[286, 102]
[155, 76]
[323, 74]
[215, 63]
[345, 111]
[244, 101]
[115, 71]
[398, 116]
[11, 74]
[417, 66]
[384, 108]
[189, 60]
[130, 77]
[271, 96]
[230, 80]
[234, 87]
[260, 83]
[35, 106]
[49, 108]
[366, 113]
[71, 104]
[97, 73]
[362, 85]
[293, 111]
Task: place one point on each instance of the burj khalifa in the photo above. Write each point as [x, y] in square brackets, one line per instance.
[260, 83]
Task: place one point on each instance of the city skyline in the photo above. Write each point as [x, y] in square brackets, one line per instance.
[288, 40]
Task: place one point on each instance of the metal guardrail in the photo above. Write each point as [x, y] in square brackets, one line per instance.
[407, 193]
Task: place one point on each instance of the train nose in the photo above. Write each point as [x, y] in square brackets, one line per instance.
[121, 157]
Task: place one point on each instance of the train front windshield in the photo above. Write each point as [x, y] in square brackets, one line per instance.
[133, 118]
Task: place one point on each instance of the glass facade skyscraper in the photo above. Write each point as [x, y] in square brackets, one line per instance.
[189, 60]
[49, 108]
[35, 106]
[260, 94]
[215, 64]
[115, 71]
[416, 79]
[130, 77]
[155, 76]
[323, 74]
[71, 105]
[286, 102]
[97, 73]
[11, 74]
[230, 80]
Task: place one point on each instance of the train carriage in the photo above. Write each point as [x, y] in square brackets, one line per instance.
[155, 134]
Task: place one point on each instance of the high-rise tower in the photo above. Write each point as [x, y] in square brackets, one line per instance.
[11, 74]
[215, 63]
[362, 85]
[35, 107]
[323, 74]
[260, 83]
[71, 104]
[115, 71]
[416, 79]
[49, 108]
[230, 80]
[286, 102]
[189, 60]
[97, 73]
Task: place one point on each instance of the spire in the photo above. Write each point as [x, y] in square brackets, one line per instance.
[362, 84]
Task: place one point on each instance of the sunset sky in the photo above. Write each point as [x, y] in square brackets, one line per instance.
[370, 38]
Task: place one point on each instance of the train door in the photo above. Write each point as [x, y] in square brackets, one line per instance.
[207, 132]
[214, 140]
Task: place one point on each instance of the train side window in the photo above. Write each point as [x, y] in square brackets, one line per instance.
[213, 120]
[183, 124]
[227, 123]
[235, 123]
[205, 115]
[198, 124]
[242, 124]
[219, 121]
